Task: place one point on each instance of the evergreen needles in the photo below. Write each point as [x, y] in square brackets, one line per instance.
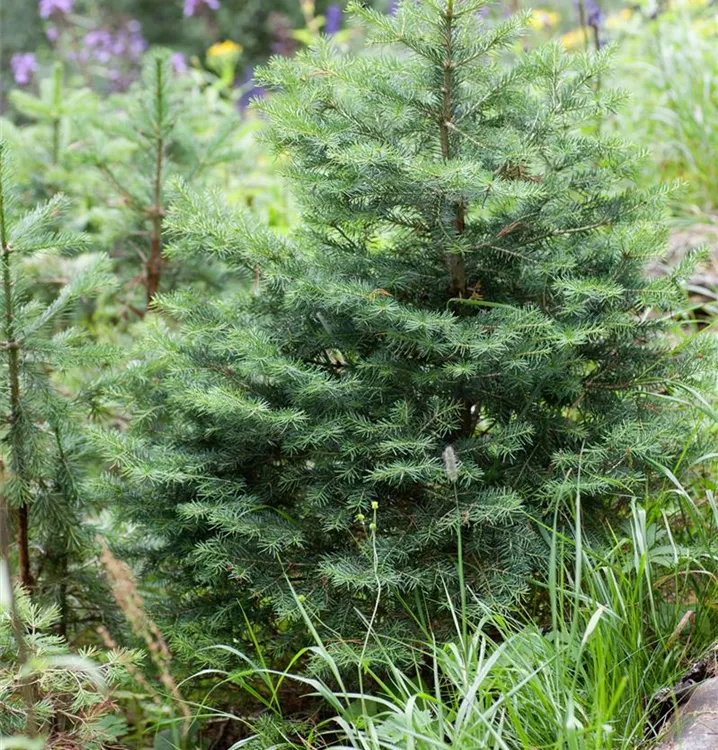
[470, 272]
[138, 141]
[40, 437]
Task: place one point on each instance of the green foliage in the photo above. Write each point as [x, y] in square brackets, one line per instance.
[670, 67]
[114, 159]
[621, 619]
[137, 142]
[72, 692]
[53, 107]
[41, 438]
[470, 271]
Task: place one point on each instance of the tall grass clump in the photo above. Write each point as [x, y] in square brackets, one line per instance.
[590, 664]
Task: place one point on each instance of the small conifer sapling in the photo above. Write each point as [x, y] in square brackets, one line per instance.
[470, 271]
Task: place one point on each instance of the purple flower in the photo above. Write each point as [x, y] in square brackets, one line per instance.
[594, 19]
[594, 16]
[118, 45]
[49, 7]
[192, 7]
[99, 43]
[103, 45]
[23, 66]
[179, 63]
[129, 41]
[52, 33]
[138, 45]
[251, 92]
[333, 19]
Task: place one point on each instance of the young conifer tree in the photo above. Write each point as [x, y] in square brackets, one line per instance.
[470, 272]
[41, 439]
[47, 690]
[137, 142]
[52, 113]
[114, 158]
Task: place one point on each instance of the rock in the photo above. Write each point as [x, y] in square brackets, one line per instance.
[696, 724]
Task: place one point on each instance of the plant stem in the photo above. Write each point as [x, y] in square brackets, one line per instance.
[13, 352]
[582, 23]
[64, 552]
[8, 595]
[154, 262]
[455, 261]
[462, 581]
[56, 118]
[55, 140]
[23, 545]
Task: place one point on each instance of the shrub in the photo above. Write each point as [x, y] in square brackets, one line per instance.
[71, 702]
[470, 272]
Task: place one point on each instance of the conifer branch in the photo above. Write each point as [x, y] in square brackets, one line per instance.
[105, 169]
[541, 237]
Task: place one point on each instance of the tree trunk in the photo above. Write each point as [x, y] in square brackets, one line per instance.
[17, 464]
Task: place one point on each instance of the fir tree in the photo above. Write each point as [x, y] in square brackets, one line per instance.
[138, 142]
[41, 439]
[53, 111]
[114, 159]
[123, 148]
[470, 272]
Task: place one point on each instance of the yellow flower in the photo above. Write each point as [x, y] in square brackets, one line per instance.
[618, 20]
[222, 58]
[574, 39]
[226, 48]
[543, 19]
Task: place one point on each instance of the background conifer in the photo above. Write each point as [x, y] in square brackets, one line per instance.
[114, 159]
[40, 434]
